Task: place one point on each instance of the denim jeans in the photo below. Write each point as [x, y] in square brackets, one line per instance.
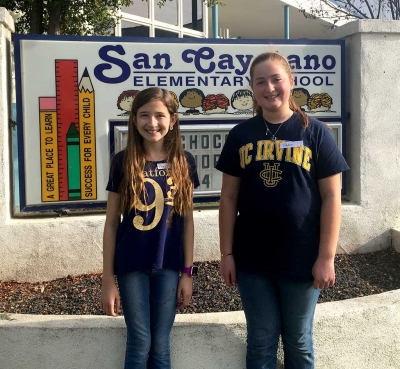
[149, 304]
[276, 307]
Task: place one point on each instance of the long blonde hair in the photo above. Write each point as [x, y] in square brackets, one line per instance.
[275, 56]
[132, 188]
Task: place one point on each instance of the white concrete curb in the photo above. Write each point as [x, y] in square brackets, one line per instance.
[362, 333]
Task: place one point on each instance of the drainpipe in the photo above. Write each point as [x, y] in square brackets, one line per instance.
[215, 21]
[287, 21]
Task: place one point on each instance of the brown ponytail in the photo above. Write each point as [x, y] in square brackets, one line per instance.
[303, 116]
[257, 109]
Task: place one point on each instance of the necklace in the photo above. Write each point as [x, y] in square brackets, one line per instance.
[273, 136]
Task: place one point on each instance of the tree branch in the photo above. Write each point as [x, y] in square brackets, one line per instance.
[392, 9]
[397, 9]
[338, 9]
[36, 17]
[357, 9]
[379, 9]
[369, 9]
[55, 12]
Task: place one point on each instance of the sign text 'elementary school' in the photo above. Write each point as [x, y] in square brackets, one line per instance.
[205, 62]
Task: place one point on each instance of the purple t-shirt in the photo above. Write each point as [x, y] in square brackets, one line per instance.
[150, 239]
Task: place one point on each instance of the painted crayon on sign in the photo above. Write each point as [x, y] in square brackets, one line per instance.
[74, 183]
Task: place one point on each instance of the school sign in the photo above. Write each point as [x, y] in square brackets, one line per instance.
[74, 96]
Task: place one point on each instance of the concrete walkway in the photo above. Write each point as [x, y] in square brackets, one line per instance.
[362, 333]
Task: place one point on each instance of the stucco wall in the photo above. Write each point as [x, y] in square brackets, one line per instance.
[46, 248]
[373, 134]
[42, 249]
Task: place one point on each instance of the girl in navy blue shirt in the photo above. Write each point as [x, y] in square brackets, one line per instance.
[149, 232]
[279, 217]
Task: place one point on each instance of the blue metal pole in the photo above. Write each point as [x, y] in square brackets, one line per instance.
[215, 21]
[287, 22]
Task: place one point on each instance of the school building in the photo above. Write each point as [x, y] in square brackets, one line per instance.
[265, 19]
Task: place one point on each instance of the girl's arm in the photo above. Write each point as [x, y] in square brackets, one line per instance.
[185, 286]
[227, 219]
[110, 301]
[324, 269]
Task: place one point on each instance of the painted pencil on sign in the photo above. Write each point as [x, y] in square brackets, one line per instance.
[87, 138]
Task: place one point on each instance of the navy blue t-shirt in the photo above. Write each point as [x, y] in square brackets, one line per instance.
[277, 229]
[150, 239]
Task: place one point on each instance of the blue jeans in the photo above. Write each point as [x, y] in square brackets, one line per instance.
[149, 304]
[276, 307]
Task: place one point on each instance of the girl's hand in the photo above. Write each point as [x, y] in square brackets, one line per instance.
[110, 300]
[324, 272]
[184, 293]
[227, 270]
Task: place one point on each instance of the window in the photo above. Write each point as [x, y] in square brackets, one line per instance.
[134, 29]
[140, 8]
[193, 14]
[177, 18]
[168, 13]
[160, 32]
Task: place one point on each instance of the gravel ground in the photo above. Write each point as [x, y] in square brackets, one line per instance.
[356, 275]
